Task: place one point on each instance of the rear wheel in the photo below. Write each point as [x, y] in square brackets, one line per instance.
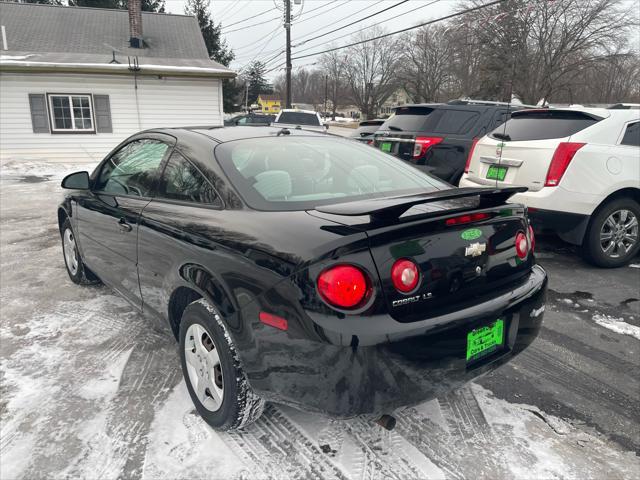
[78, 272]
[216, 382]
[612, 238]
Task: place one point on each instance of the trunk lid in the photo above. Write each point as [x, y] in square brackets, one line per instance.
[459, 265]
[522, 163]
[520, 151]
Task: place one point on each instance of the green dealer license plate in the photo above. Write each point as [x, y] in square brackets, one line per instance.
[485, 340]
[385, 147]
[496, 173]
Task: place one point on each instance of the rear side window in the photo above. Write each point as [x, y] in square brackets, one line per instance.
[182, 181]
[542, 125]
[456, 122]
[299, 118]
[407, 119]
[632, 135]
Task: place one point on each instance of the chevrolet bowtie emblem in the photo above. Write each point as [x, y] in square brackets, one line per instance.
[475, 249]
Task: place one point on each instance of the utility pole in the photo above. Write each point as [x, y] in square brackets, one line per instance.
[324, 112]
[287, 27]
[246, 98]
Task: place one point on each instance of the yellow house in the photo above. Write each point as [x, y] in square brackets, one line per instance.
[269, 103]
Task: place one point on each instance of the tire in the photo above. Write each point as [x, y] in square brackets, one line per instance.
[77, 270]
[610, 221]
[225, 399]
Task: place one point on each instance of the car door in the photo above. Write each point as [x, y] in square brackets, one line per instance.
[107, 218]
[174, 229]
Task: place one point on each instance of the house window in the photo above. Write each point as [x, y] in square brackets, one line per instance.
[71, 113]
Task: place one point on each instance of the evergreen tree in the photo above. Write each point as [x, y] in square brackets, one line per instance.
[255, 76]
[216, 46]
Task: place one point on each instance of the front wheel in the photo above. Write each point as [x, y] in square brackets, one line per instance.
[216, 382]
[612, 237]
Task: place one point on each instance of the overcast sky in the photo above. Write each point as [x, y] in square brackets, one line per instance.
[265, 40]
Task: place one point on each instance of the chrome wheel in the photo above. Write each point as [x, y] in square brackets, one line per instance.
[70, 251]
[619, 233]
[203, 367]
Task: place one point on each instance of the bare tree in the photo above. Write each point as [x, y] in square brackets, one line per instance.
[426, 63]
[370, 70]
[333, 66]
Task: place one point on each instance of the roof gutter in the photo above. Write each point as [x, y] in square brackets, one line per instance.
[113, 68]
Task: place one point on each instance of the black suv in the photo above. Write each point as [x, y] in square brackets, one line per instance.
[439, 136]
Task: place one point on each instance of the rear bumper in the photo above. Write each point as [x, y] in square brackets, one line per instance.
[571, 227]
[411, 363]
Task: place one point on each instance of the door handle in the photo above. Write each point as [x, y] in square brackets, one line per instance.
[124, 226]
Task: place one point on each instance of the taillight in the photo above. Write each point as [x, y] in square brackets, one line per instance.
[522, 245]
[462, 219]
[423, 144]
[344, 286]
[468, 164]
[561, 159]
[405, 275]
[532, 239]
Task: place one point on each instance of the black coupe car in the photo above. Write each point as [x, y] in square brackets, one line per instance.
[304, 268]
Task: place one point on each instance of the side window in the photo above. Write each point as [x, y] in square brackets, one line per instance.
[182, 181]
[242, 121]
[133, 169]
[632, 135]
[456, 122]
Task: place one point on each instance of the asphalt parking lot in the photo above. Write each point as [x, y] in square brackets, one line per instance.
[89, 390]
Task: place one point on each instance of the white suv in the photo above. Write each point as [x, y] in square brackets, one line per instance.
[582, 168]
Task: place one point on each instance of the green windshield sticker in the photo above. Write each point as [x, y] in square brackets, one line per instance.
[485, 340]
[471, 234]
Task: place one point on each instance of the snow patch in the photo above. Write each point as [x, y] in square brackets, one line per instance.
[181, 444]
[617, 325]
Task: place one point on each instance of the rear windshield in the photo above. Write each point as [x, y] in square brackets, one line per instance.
[299, 118]
[300, 173]
[407, 119]
[542, 125]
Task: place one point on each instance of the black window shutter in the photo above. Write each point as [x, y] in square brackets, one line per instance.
[39, 116]
[102, 110]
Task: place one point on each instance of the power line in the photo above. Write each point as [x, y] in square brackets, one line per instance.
[248, 18]
[311, 47]
[352, 23]
[354, 13]
[321, 6]
[463, 12]
[298, 21]
[228, 9]
[252, 25]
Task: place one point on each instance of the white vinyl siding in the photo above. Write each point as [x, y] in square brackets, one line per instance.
[165, 102]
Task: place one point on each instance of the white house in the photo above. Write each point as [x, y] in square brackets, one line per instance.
[74, 82]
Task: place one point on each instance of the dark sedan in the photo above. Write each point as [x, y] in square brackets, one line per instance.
[305, 269]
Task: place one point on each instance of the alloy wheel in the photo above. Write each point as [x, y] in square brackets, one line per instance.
[619, 233]
[70, 251]
[203, 367]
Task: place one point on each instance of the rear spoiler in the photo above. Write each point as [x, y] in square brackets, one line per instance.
[390, 208]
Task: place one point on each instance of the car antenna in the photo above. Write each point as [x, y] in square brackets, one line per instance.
[283, 131]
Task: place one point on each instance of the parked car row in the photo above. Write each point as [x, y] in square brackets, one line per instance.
[581, 165]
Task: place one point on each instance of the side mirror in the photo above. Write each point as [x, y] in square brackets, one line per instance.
[76, 181]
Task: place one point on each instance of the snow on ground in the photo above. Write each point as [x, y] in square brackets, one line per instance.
[617, 325]
[89, 390]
